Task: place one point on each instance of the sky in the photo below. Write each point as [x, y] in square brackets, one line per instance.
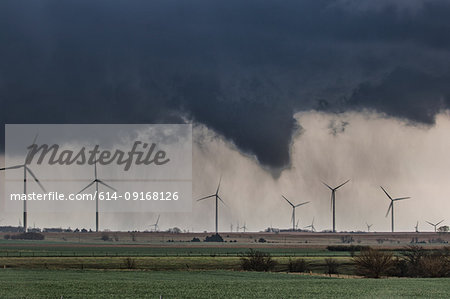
[282, 95]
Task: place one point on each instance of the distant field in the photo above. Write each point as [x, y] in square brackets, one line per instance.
[71, 251]
[317, 264]
[48, 249]
[207, 284]
[285, 239]
[166, 244]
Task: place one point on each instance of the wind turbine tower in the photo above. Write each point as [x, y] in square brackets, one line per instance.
[96, 181]
[333, 201]
[26, 170]
[217, 197]
[391, 206]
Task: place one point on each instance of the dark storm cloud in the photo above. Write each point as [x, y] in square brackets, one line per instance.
[243, 68]
[405, 93]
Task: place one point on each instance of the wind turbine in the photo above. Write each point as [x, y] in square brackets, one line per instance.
[155, 226]
[244, 227]
[296, 225]
[333, 201]
[293, 210]
[217, 197]
[96, 181]
[435, 225]
[417, 227]
[391, 206]
[368, 227]
[313, 229]
[26, 170]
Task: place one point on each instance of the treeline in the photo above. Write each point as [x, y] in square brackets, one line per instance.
[25, 236]
[347, 248]
[413, 261]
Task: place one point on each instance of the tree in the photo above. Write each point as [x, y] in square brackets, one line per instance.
[373, 263]
[443, 229]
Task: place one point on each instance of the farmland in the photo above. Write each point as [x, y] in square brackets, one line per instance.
[153, 264]
[207, 284]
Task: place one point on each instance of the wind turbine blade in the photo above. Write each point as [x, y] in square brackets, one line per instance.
[92, 183]
[222, 201]
[301, 204]
[386, 193]
[12, 167]
[106, 185]
[36, 179]
[218, 186]
[288, 200]
[390, 207]
[439, 222]
[157, 220]
[429, 223]
[327, 185]
[401, 198]
[206, 197]
[341, 185]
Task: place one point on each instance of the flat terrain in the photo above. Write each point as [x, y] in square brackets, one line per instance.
[285, 239]
[135, 265]
[210, 284]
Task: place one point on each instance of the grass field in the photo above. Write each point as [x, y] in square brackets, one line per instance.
[317, 264]
[87, 267]
[206, 284]
[69, 249]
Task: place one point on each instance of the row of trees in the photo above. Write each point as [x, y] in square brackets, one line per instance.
[413, 261]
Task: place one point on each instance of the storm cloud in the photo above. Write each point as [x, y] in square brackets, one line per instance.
[241, 68]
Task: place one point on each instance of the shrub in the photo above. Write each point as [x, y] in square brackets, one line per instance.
[399, 267]
[130, 263]
[7, 237]
[346, 247]
[347, 239]
[332, 266]
[105, 237]
[435, 265]
[28, 236]
[298, 265]
[257, 261]
[214, 238]
[195, 239]
[262, 240]
[413, 256]
[373, 263]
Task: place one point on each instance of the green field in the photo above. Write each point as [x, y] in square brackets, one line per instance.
[317, 264]
[206, 284]
[19, 248]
